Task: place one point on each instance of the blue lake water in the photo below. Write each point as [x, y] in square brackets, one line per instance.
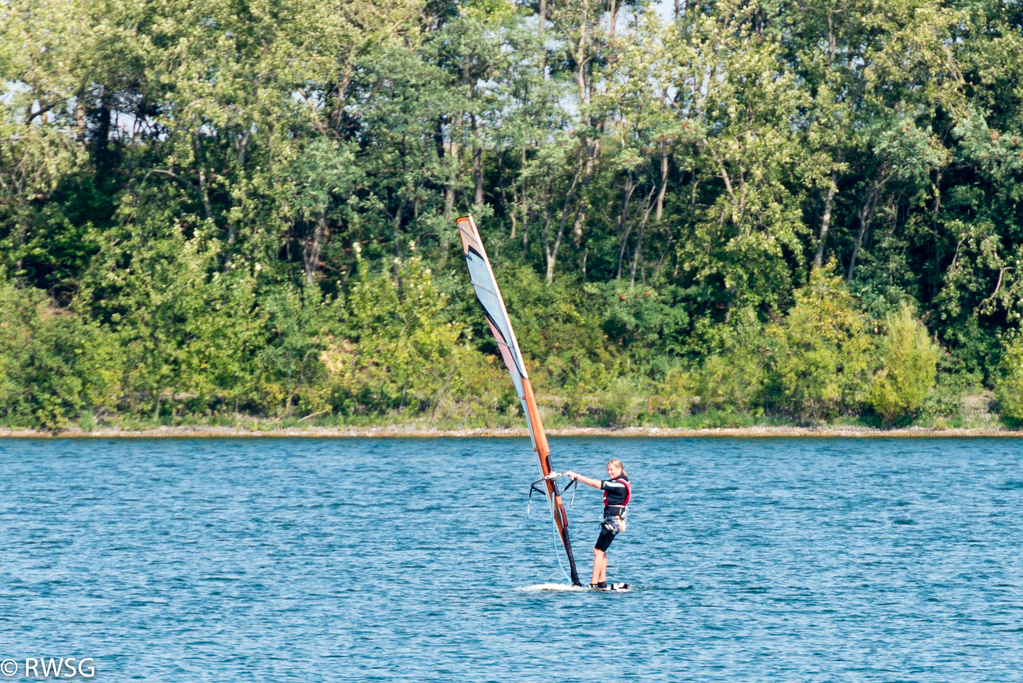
[413, 560]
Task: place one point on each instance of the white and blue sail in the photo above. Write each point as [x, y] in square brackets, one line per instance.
[489, 296]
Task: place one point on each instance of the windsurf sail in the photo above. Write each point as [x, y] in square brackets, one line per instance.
[489, 296]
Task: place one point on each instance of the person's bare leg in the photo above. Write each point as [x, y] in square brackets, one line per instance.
[599, 565]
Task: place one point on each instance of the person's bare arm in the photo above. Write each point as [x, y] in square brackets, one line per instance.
[595, 483]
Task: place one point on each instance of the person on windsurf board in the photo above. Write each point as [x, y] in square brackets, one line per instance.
[617, 494]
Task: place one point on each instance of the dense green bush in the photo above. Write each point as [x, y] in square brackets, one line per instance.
[733, 381]
[1009, 389]
[399, 350]
[734, 377]
[820, 353]
[53, 365]
[909, 361]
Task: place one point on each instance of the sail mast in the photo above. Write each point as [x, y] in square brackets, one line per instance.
[489, 296]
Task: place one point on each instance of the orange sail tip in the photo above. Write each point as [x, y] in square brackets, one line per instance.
[469, 235]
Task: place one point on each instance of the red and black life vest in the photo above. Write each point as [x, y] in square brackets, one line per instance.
[615, 501]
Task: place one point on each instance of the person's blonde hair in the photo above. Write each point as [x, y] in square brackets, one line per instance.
[617, 463]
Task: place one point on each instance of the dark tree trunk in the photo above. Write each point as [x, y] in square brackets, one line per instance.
[542, 14]
[623, 220]
[664, 184]
[396, 228]
[829, 200]
[865, 214]
[452, 152]
[551, 252]
[477, 161]
[639, 239]
[102, 142]
[313, 246]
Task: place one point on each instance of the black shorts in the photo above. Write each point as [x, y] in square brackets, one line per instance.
[604, 540]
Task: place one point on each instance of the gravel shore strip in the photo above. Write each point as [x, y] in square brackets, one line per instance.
[397, 431]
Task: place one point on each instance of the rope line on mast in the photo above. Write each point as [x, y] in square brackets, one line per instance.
[550, 503]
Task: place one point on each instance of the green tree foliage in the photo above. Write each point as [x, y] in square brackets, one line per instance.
[736, 376]
[399, 351]
[909, 364]
[397, 333]
[221, 196]
[53, 364]
[821, 351]
[1010, 385]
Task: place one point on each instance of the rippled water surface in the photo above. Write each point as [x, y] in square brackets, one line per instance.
[278, 560]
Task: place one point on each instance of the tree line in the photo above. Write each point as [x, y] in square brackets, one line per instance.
[711, 212]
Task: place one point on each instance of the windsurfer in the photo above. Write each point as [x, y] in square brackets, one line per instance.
[617, 493]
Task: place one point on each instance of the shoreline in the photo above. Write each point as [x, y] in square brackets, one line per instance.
[409, 431]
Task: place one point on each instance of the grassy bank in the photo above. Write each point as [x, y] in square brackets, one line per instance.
[968, 422]
[414, 431]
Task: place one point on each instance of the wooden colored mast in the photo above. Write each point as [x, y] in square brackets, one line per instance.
[543, 452]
